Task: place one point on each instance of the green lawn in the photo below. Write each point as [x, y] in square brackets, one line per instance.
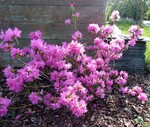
[124, 26]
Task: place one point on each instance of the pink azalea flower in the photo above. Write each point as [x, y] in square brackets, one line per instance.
[93, 28]
[4, 104]
[98, 41]
[52, 101]
[92, 65]
[34, 98]
[5, 101]
[106, 31]
[132, 42]
[3, 110]
[131, 92]
[15, 83]
[137, 89]
[10, 34]
[35, 35]
[17, 33]
[79, 109]
[115, 16]
[124, 74]
[135, 31]
[77, 14]
[76, 48]
[16, 52]
[121, 80]
[37, 44]
[100, 62]
[7, 36]
[72, 4]
[8, 72]
[68, 21]
[77, 35]
[7, 47]
[29, 73]
[124, 90]
[100, 92]
[143, 97]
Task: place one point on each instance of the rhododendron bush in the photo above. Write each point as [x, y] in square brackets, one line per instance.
[74, 77]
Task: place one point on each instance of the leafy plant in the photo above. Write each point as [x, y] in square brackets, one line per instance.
[73, 78]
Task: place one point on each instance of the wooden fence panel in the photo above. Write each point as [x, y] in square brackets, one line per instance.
[54, 2]
[48, 16]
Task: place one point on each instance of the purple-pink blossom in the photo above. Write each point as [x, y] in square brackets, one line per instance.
[34, 98]
[29, 73]
[98, 41]
[132, 92]
[124, 90]
[132, 42]
[15, 83]
[143, 97]
[135, 31]
[137, 89]
[8, 72]
[15, 52]
[37, 44]
[115, 16]
[4, 104]
[7, 46]
[76, 36]
[79, 108]
[106, 31]
[35, 35]
[67, 21]
[77, 14]
[10, 34]
[76, 48]
[72, 4]
[51, 101]
[17, 33]
[93, 28]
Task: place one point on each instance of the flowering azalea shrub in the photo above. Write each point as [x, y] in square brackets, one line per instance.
[74, 77]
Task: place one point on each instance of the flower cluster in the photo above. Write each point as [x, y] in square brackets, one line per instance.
[135, 31]
[75, 78]
[115, 16]
[77, 35]
[4, 104]
[10, 34]
[93, 28]
[106, 31]
[135, 91]
[34, 98]
[68, 21]
[8, 37]
[35, 35]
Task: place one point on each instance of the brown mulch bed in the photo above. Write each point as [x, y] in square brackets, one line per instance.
[116, 110]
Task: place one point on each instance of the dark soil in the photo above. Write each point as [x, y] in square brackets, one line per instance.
[116, 110]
